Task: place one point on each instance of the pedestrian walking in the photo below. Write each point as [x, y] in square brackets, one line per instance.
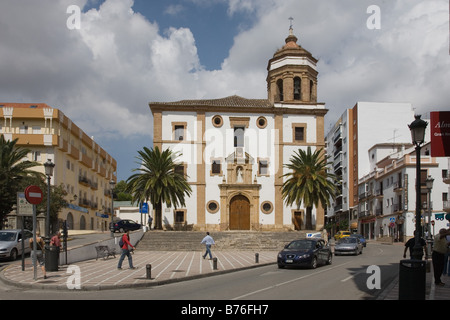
[446, 258]
[150, 220]
[38, 255]
[325, 235]
[208, 241]
[56, 242]
[411, 243]
[439, 250]
[125, 246]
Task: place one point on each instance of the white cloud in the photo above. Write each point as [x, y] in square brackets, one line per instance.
[103, 75]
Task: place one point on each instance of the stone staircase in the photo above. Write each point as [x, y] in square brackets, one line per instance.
[225, 240]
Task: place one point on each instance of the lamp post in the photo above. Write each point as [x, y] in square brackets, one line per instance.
[417, 128]
[429, 182]
[49, 165]
[112, 184]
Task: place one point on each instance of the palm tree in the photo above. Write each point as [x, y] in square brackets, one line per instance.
[13, 172]
[158, 181]
[309, 182]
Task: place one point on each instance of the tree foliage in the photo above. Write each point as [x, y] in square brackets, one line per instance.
[309, 182]
[158, 182]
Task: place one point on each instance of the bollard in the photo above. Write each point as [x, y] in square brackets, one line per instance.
[149, 271]
[256, 257]
[214, 263]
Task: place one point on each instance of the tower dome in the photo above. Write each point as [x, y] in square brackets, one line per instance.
[292, 74]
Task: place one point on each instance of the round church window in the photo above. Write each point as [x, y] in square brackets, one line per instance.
[261, 122]
[266, 207]
[217, 121]
[212, 206]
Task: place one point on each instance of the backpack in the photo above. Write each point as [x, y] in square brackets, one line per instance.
[121, 242]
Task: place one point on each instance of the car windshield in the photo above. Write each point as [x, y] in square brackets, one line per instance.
[7, 236]
[348, 240]
[296, 245]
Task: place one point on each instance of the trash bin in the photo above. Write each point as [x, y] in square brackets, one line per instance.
[412, 279]
[51, 258]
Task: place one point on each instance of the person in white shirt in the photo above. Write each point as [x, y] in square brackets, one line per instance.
[208, 241]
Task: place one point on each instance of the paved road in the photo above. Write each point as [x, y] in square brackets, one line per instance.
[345, 279]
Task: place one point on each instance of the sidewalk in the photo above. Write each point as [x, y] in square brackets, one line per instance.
[166, 267]
[432, 292]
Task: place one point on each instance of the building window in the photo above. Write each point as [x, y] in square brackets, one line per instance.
[179, 216]
[297, 88]
[37, 156]
[239, 136]
[263, 167]
[217, 121]
[267, 207]
[179, 131]
[280, 89]
[181, 169]
[261, 122]
[299, 132]
[216, 167]
[212, 206]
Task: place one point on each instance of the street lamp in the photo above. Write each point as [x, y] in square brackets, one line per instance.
[112, 184]
[49, 165]
[429, 182]
[417, 128]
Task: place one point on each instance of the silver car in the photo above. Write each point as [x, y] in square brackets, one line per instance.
[348, 245]
[11, 243]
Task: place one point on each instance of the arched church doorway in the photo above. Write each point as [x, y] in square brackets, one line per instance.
[239, 213]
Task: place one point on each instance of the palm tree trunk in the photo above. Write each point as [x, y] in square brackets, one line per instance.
[308, 223]
[158, 216]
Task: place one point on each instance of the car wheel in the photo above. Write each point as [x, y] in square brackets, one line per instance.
[330, 259]
[280, 266]
[13, 255]
[313, 263]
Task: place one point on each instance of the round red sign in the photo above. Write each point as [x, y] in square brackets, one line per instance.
[33, 194]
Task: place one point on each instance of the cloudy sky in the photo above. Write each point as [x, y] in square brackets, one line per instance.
[124, 54]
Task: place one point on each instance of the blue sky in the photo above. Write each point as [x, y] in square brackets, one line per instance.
[210, 21]
[128, 53]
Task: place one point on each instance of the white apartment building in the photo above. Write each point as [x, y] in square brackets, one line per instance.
[387, 195]
[348, 141]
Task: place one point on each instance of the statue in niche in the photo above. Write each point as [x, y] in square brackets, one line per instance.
[239, 175]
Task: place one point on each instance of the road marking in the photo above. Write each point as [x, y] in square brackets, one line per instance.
[350, 277]
[289, 281]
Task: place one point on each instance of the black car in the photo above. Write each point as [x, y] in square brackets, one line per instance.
[305, 252]
[125, 225]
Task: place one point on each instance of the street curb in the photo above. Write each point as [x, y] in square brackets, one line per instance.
[42, 286]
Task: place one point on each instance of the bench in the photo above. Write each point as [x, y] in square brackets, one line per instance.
[105, 252]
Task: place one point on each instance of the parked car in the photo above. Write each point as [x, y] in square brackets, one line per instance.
[341, 234]
[305, 252]
[124, 226]
[361, 238]
[11, 243]
[348, 245]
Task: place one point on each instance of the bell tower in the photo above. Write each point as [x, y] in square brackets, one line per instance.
[292, 74]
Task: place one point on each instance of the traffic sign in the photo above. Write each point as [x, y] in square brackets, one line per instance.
[24, 208]
[144, 208]
[33, 194]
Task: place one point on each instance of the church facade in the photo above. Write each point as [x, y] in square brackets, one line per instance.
[233, 150]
